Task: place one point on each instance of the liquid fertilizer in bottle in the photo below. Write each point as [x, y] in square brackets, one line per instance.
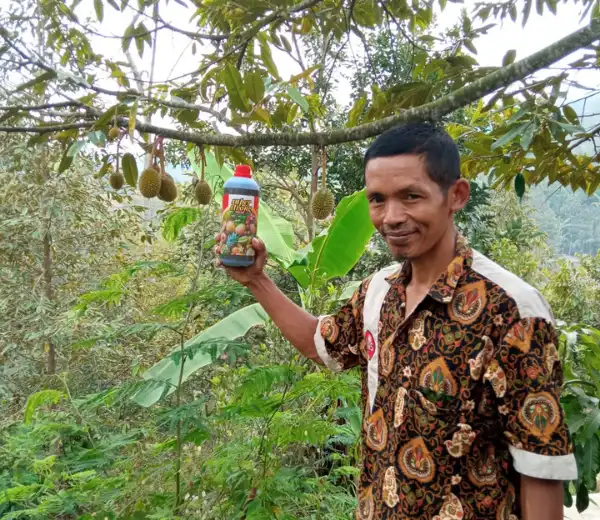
[240, 218]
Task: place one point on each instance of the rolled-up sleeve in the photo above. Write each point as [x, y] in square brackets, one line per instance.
[526, 377]
[339, 336]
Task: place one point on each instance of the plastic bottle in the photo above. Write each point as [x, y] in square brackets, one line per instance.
[239, 218]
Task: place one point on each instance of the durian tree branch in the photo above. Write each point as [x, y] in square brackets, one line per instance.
[35, 108]
[430, 111]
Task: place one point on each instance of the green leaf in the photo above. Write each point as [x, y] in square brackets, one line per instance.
[255, 87]
[582, 501]
[527, 136]
[235, 88]
[65, 163]
[267, 59]
[75, 148]
[99, 8]
[509, 57]
[34, 401]
[509, 136]
[570, 129]
[44, 76]
[469, 45]
[130, 170]
[132, 118]
[232, 327]
[570, 114]
[333, 253]
[297, 97]
[356, 111]
[176, 220]
[520, 185]
[97, 138]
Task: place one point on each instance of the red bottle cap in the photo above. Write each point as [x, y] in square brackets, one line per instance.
[243, 170]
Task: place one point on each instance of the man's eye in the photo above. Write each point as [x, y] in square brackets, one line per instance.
[375, 199]
[413, 196]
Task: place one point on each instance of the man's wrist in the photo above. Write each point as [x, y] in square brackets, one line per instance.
[258, 282]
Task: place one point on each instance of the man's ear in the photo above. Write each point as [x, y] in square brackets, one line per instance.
[459, 195]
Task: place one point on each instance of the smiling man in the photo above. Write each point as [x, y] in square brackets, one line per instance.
[459, 363]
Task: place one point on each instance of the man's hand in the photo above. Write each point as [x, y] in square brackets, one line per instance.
[245, 275]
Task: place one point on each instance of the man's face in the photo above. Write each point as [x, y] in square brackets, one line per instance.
[407, 207]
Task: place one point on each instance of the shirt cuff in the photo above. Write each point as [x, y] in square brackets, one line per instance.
[551, 467]
[330, 363]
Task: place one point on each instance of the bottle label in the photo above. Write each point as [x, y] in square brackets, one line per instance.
[240, 217]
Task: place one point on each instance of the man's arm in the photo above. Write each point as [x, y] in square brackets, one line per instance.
[541, 499]
[297, 325]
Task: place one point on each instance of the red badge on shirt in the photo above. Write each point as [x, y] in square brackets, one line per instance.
[370, 344]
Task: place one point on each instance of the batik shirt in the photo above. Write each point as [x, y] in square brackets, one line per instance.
[462, 396]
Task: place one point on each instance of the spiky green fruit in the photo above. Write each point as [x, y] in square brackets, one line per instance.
[203, 193]
[113, 133]
[322, 204]
[150, 181]
[116, 180]
[168, 189]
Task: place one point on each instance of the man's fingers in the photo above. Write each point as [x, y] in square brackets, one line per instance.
[258, 245]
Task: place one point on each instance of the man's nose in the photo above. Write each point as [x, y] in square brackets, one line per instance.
[395, 214]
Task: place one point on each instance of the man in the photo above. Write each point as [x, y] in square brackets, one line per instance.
[459, 363]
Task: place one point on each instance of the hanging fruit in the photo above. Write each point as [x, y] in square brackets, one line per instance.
[323, 201]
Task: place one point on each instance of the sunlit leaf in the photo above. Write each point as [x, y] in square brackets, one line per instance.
[130, 169]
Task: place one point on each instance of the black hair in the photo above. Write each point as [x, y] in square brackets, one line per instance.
[438, 149]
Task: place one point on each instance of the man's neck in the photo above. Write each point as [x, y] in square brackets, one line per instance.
[426, 269]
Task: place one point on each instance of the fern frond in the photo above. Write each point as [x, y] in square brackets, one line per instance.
[34, 401]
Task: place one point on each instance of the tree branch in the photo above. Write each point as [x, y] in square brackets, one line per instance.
[430, 111]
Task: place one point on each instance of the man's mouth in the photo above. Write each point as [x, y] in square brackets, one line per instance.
[399, 237]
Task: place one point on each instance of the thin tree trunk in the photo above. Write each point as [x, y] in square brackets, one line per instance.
[49, 346]
[314, 186]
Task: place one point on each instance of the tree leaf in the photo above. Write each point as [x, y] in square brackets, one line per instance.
[527, 136]
[235, 88]
[234, 326]
[65, 163]
[262, 114]
[297, 97]
[520, 185]
[570, 114]
[469, 45]
[130, 169]
[75, 148]
[99, 8]
[267, 59]
[34, 401]
[255, 87]
[44, 76]
[509, 57]
[582, 501]
[132, 118]
[509, 136]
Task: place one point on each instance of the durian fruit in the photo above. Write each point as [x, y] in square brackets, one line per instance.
[116, 180]
[168, 189]
[150, 181]
[322, 204]
[113, 133]
[203, 193]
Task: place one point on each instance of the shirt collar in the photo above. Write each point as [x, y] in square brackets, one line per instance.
[445, 286]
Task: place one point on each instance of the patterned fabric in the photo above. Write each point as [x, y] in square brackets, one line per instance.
[467, 395]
